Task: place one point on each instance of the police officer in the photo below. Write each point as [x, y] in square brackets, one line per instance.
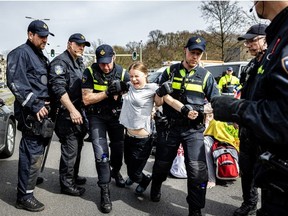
[229, 83]
[255, 42]
[191, 85]
[65, 80]
[27, 80]
[264, 112]
[103, 84]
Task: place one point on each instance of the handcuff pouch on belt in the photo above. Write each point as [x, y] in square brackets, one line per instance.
[42, 128]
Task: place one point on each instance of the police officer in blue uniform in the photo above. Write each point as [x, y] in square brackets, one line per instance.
[264, 113]
[256, 44]
[103, 84]
[65, 80]
[191, 85]
[27, 80]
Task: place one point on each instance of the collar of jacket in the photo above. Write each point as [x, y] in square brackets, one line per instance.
[37, 51]
[76, 62]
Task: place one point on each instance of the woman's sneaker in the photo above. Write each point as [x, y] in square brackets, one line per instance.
[143, 184]
[128, 182]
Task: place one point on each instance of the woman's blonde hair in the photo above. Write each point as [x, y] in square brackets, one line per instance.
[139, 66]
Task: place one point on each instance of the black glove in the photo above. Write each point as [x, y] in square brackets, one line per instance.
[186, 109]
[226, 108]
[114, 88]
[124, 87]
[164, 89]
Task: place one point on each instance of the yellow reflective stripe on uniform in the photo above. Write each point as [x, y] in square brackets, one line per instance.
[122, 75]
[260, 70]
[91, 71]
[178, 79]
[97, 86]
[168, 70]
[194, 87]
[183, 72]
[205, 79]
[176, 85]
[100, 87]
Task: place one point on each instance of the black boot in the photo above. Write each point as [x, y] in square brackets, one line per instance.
[79, 180]
[195, 212]
[106, 205]
[143, 184]
[155, 193]
[245, 210]
[120, 182]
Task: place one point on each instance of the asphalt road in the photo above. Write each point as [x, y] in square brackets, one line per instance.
[220, 201]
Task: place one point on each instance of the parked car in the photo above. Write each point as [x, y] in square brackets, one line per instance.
[218, 70]
[154, 77]
[7, 131]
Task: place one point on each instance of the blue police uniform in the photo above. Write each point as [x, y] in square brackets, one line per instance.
[27, 80]
[66, 77]
[266, 117]
[191, 88]
[248, 149]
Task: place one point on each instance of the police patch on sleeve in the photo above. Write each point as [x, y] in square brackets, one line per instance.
[285, 64]
[58, 69]
[84, 78]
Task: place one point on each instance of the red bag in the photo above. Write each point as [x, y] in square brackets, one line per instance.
[226, 161]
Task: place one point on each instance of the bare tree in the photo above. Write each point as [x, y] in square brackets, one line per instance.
[156, 38]
[252, 19]
[226, 19]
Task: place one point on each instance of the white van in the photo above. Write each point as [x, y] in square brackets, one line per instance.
[219, 69]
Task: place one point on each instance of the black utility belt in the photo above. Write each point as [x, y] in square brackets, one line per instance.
[102, 111]
[185, 122]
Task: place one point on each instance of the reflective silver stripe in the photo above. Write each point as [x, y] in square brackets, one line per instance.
[227, 93]
[29, 191]
[27, 99]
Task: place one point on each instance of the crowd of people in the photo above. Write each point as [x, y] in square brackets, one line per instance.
[107, 100]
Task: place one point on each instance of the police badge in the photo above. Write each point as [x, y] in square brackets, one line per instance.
[285, 63]
[58, 69]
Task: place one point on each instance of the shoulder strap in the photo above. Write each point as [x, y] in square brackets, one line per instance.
[95, 75]
[172, 69]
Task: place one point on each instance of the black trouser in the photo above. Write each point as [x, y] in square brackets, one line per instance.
[273, 203]
[31, 150]
[271, 176]
[99, 127]
[136, 154]
[71, 145]
[195, 160]
[247, 160]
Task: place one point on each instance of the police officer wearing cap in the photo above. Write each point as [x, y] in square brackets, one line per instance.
[65, 80]
[264, 111]
[27, 79]
[191, 85]
[255, 42]
[229, 83]
[102, 86]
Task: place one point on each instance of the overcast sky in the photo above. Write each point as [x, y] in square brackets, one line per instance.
[113, 22]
